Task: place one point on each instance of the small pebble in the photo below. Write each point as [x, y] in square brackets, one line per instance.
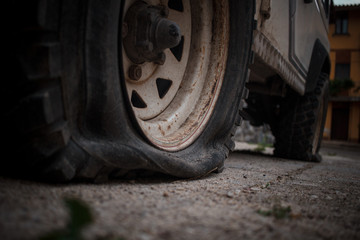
[230, 194]
[314, 197]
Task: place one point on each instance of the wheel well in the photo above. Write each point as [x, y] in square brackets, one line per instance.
[267, 88]
[326, 66]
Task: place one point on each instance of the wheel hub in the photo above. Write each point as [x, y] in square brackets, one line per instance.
[149, 33]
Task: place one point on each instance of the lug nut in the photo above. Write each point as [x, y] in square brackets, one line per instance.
[164, 11]
[160, 59]
[135, 72]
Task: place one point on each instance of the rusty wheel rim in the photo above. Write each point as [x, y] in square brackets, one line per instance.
[173, 101]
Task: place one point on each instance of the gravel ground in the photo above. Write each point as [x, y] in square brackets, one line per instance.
[256, 197]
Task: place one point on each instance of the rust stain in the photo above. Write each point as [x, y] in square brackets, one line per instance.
[161, 131]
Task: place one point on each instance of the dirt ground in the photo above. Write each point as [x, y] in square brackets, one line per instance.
[255, 197]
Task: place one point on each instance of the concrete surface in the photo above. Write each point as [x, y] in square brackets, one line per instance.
[321, 201]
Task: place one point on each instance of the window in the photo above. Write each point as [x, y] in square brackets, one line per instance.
[341, 23]
[342, 71]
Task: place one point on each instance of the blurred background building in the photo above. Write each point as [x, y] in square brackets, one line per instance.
[343, 116]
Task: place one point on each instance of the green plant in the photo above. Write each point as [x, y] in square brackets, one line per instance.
[277, 211]
[259, 148]
[80, 217]
[339, 85]
[262, 146]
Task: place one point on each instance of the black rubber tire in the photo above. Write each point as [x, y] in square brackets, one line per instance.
[296, 126]
[68, 117]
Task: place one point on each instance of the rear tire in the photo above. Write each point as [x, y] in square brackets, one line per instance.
[300, 126]
[69, 115]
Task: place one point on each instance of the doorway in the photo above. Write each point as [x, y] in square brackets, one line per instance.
[340, 121]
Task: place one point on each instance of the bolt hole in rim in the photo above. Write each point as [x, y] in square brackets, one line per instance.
[172, 101]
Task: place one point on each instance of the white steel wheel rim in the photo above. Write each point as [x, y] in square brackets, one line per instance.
[174, 119]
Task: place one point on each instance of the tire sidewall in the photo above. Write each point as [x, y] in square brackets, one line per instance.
[105, 127]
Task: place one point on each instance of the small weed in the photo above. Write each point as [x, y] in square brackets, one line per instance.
[277, 211]
[80, 217]
[268, 184]
[261, 147]
[331, 153]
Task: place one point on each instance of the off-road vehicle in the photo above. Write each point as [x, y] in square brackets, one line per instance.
[95, 89]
